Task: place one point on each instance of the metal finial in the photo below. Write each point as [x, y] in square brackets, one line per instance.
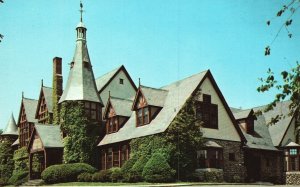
[108, 94]
[42, 82]
[81, 10]
[22, 94]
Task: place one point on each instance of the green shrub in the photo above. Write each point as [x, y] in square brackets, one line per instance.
[128, 174]
[65, 172]
[21, 160]
[18, 178]
[3, 181]
[102, 176]
[85, 177]
[210, 176]
[157, 169]
[6, 161]
[116, 175]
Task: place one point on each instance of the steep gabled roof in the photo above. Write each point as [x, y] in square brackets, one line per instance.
[121, 106]
[278, 130]
[260, 138]
[153, 96]
[30, 106]
[50, 135]
[105, 79]
[47, 93]
[177, 95]
[11, 127]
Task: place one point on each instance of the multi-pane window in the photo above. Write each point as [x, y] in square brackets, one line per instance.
[210, 158]
[143, 117]
[207, 112]
[92, 111]
[109, 158]
[114, 156]
[292, 159]
[293, 151]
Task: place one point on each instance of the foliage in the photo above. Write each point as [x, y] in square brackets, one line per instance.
[65, 172]
[289, 89]
[102, 176]
[18, 178]
[85, 177]
[55, 100]
[21, 160]
[157, 169]
[1, 131]
[116, 174]
[286, 20]
[6, 161]
[126, 169]
[210, 176]
[82, 135]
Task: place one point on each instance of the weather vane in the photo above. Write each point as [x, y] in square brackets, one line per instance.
[81, 10]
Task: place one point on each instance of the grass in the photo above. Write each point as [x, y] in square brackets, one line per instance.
[100, 184]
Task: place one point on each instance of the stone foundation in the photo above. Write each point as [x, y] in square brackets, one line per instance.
[292, 178]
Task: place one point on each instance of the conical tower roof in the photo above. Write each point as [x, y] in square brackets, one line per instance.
[11, 127]
[81, 83]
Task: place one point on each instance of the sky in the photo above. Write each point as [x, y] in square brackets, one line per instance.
[158, 41]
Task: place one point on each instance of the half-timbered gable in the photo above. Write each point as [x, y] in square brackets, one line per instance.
[147, 104]
[46, 147]
[44, 112]
[117, 112]
[26, 120]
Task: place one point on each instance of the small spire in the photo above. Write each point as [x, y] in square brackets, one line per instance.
[81, 10]
[22, 94]
[109, 94]
[42, 83]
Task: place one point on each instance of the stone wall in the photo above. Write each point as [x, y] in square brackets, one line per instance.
[271, 167]
[292, 178]
[234, 171]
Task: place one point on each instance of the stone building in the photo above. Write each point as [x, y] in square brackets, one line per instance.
[237, 143]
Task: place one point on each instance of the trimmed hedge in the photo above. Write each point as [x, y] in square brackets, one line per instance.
[116, 175]
[85, 177]
[102, 176]
[18, 178]
[65, 172]
[157, 169]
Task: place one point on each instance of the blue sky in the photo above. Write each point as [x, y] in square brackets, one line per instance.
[158, 41]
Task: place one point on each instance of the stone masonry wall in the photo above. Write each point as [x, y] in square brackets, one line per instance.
[292, 178]
[234, 171]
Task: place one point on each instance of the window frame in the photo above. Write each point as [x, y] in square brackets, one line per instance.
[141, 116]
[209, 161]
[208, 114]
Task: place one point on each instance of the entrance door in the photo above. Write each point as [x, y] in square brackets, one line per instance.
[253, 164]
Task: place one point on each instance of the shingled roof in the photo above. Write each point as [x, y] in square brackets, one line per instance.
[179, 91]
[11, 127]
[242, 114]
[103, 80]
[278, 130]
[50, 135]
[48, 97]
[81, 83]
[154, 96]
[30, 106]
[121, 106]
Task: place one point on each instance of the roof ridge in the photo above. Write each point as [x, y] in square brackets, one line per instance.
[159, 89]
[204, 71]
[30, 99]
[266, 105]
[109, 72]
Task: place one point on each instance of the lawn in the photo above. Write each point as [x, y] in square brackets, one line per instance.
[124, 184]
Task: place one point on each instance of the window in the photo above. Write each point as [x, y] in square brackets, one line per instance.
[293, 151]
[206, 98]
[112, 125]
[123, 154]
[116, 158]
[143, 117]
[207, 113]
[210, 158]
[109, 158]
[231, 157]
[92, 111]
[121, 81]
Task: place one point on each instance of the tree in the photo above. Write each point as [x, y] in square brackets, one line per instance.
[1, 131]
[1, 36]
[289, 86]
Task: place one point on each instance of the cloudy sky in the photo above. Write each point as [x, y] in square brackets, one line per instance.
[158, 41]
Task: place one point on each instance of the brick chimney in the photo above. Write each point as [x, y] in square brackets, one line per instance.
[57, 87]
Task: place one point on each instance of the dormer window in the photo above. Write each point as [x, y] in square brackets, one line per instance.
[207, 112]
[112, 125]
[143, 117]
[86, 65]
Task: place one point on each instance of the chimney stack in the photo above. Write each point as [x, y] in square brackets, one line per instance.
[57, 87]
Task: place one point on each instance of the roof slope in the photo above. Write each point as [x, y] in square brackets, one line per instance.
[241, 114]
[81, 83]
[121, 106]
[278, 130]
[153, 96]
[30, 109]
[261, 138]
[11, 127]
[50, 135]
[177, 95]
[102, 81]
[48, 97]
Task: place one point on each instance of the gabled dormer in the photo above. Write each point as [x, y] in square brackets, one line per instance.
[245, 119]
[116, 113]
[44, 113]
[147, 104]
